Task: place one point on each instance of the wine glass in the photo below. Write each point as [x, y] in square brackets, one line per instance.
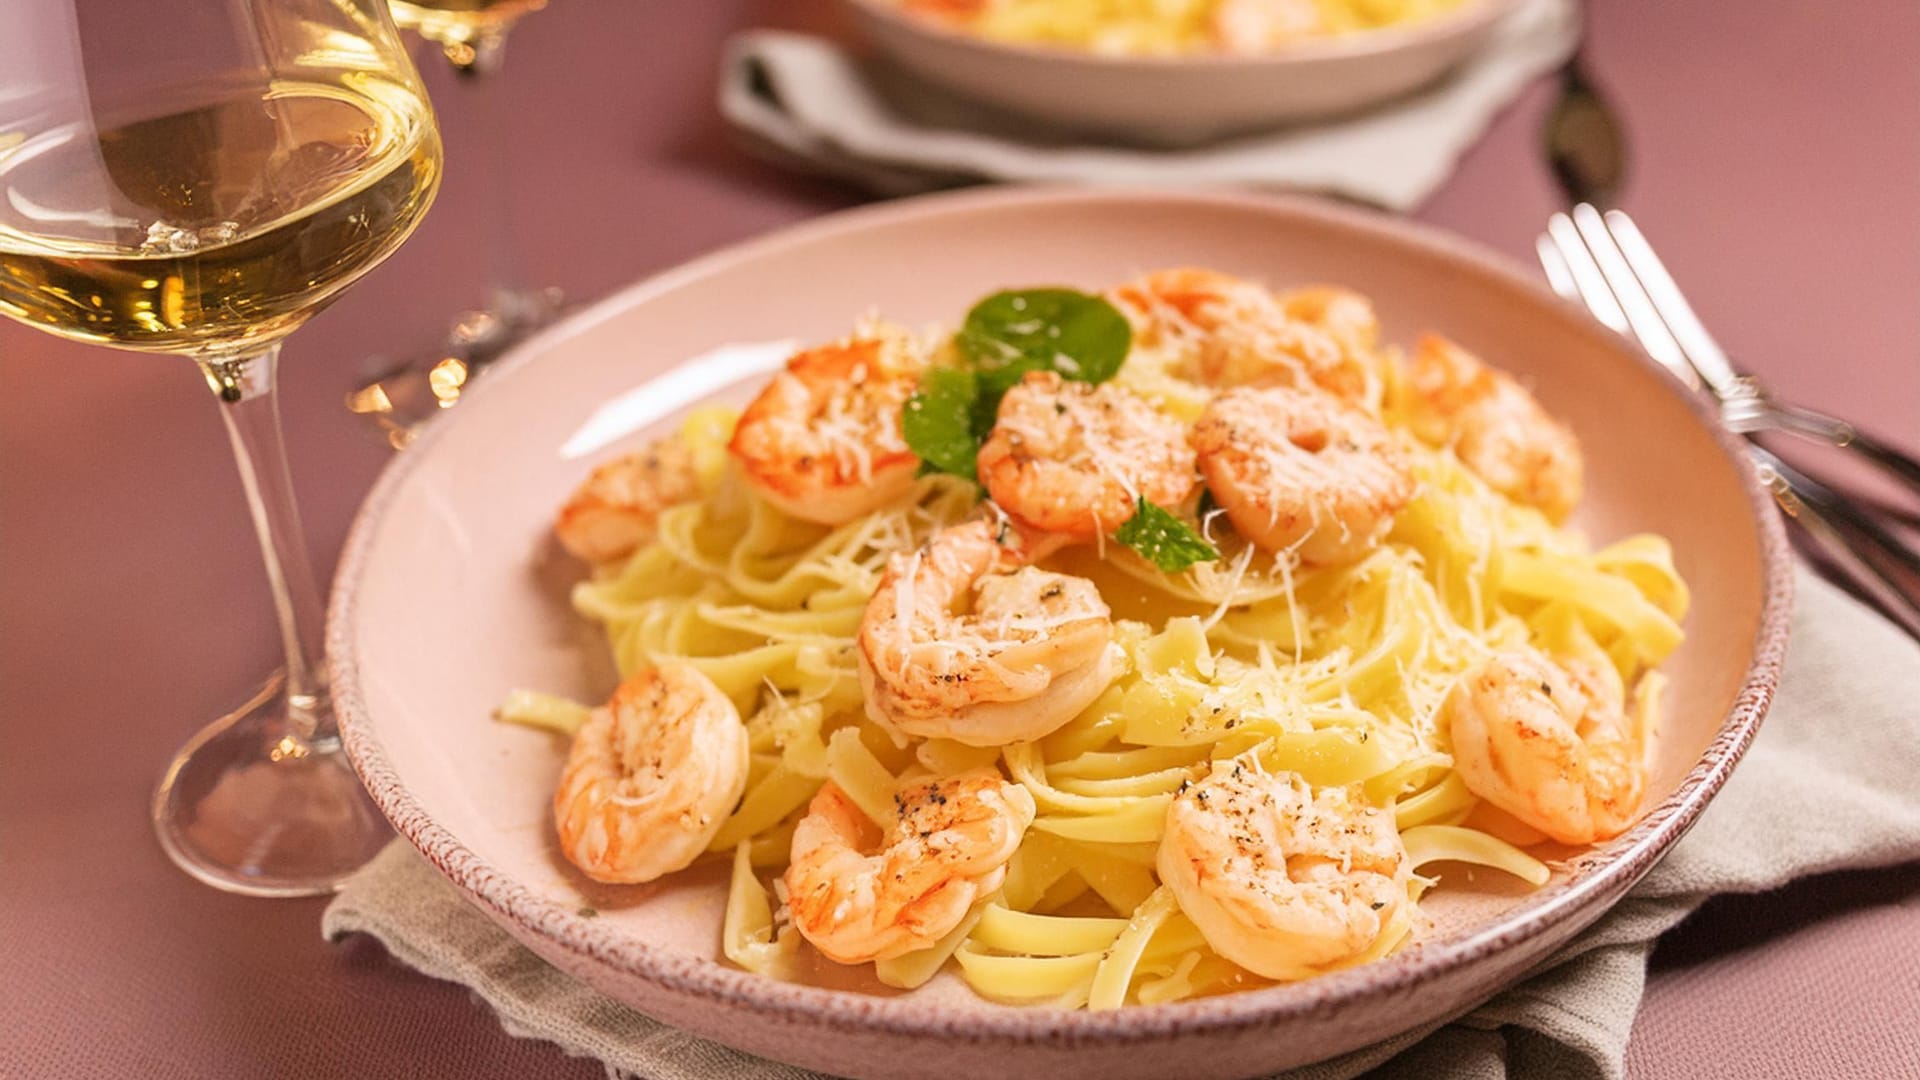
[199, 182]
[472, 36]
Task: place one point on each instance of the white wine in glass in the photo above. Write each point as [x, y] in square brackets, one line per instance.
[214, 230]
[199, 182]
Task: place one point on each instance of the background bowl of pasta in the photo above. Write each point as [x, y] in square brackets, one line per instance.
[451, 595]
[1171, 80]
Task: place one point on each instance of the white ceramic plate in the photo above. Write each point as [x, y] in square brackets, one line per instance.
[450, 593]
[1186, 99]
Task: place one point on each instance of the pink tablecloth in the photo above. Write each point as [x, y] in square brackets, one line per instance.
[1775, 156]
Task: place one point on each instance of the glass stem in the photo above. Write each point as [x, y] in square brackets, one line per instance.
[246, 388]
[478, 64]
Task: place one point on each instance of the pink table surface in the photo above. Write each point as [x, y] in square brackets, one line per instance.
[1776, 150]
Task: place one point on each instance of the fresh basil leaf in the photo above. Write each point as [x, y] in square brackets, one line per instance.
[1009, 334]
[986, 412]
[939, 421]
[1164, 540]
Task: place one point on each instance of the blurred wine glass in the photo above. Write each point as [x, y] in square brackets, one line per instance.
[472, 36]
[199, 182]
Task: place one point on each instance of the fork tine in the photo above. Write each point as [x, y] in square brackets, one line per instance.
[1702, 351]
[1587, 279]
[1642, 313]
[1555, 265]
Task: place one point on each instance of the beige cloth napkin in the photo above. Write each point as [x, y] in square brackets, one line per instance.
[809, 103]
[1828, 784]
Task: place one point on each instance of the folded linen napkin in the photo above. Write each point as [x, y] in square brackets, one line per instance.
[1827, 785]
[809, 103]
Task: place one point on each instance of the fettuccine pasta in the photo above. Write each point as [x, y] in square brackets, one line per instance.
[1368, 699]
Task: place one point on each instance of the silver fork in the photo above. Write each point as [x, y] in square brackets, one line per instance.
[1603, 261]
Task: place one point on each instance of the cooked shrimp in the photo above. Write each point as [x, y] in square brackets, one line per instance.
[1226, 331]
[651, 776]
[1256, 26]
[1035, 649]
[1295, 469]
[1345, 315]
[859, 894]
[1496, 427]
[1549, 745]
[1279, 878]
[823, 441]
[617, 508]
[1072, 459]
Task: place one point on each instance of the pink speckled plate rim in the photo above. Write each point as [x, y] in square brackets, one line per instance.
[1465, 19]
[1603, 878]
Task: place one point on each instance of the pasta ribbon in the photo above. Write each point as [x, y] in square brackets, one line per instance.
[1027, 934]
[1028, 980]
[858, 773]
[1116, 970]
[548, 712]
[767, 802]
[1449, 843]
[747, 934]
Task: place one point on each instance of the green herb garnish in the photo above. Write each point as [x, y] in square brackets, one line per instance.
[1005, 336]
[1164, 540]
[1009, 334]
[939, 421]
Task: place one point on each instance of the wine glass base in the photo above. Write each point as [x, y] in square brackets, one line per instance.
[249, 807]
[403, 395]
